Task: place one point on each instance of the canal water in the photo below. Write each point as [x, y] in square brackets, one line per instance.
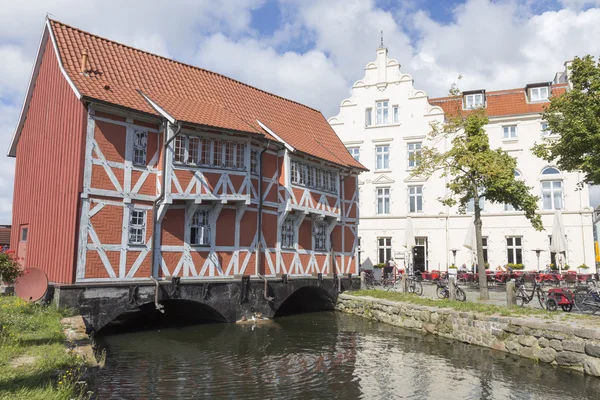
[324, 355]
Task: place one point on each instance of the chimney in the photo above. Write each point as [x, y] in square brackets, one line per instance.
[84, 60]
[568, 73]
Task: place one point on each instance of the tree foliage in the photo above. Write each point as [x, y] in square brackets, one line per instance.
[474, 170]
[574, 117]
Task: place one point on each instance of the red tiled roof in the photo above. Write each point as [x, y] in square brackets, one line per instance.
[4, 236]
[192, 94]
[503, 102]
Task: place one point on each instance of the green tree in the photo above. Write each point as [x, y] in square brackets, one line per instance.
[474, 171]
[574, 117]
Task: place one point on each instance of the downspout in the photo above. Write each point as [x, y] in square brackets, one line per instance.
[163, 190]
[260, 209]
[332, 258]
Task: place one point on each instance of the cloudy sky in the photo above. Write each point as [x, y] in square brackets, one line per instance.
[313, 50]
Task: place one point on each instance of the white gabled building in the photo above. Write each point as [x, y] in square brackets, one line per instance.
[386, 120]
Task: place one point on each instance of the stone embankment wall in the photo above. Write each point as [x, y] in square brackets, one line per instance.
[569, 343]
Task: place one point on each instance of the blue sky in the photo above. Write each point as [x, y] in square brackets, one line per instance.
[313, 50]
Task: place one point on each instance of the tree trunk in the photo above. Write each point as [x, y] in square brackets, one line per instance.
[483, 288]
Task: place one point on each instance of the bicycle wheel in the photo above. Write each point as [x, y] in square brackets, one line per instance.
[418, 288]
[552, 305]
[441, 292]
[460, 294]
[521, 301]
[567, 307]
[542, 299]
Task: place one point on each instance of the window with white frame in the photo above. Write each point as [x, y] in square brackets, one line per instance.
[396, 114]
[539, 93]
[313, 177]
[382, 154]
[383, 113]
[484, 245]
[137, 226]
[383, 200]
[288, 234]
[355, 152]
[415, 199]
[320, 235]
[413, 154]
[384, 250]
[514, 250]
[509, 131]
[552, 195]
[471, 205]
[545, 129]
[140, 146]
[254, 162]
[473, 100]
[193, 149]
[201, 151]
[368, 116]
[180, 144]
[200, 228]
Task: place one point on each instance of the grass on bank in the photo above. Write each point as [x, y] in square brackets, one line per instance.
[34, 363]
[467, 306]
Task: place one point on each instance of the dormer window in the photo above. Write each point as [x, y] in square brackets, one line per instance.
[538, 92]
[473, 100]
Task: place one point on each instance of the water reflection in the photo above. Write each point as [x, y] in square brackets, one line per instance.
[321, 355]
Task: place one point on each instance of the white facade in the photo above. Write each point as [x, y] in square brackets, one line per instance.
[388, 195]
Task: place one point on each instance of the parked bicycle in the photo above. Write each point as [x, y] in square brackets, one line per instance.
[443, 292]
[588, 299]
[524, 298]
[414, 285]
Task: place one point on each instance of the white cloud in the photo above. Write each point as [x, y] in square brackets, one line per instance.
[493, 44]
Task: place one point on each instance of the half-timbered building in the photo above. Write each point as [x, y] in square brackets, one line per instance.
[131, 165]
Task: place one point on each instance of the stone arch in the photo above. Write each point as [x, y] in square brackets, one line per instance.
[186, 309]
[306, 299]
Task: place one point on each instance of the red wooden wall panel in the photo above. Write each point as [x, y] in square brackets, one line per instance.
[49, 173]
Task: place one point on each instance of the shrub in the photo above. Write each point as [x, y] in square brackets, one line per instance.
[452, 266]
[516, 266]
[10, 269]
[380, 265]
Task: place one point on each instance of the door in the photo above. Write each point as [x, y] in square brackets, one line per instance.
[22, 248]
[420, 254]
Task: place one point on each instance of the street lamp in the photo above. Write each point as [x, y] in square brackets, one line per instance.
[454, 250]
[537, 253]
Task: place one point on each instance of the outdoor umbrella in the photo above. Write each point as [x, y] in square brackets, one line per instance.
[409, 240]
[471, 239]
[559, 245]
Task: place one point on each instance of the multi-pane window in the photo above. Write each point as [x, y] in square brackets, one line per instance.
[320, 235]
[200, 228]
[509, 131]
[368, 117]
[514, 250]
[254, 162]
[140, 145]
[383, 201]
[383, 113]
[137, 226]
[484, 244]
[473, 100]
[384, 250]
[471, 205]
[552, 195]
[180, 144]
[288, 234]
[313, 177]
[545, 129]
[415, 199]
[382, 157]
[396, 114]
[355, 152]
[538, 93]
[193, 149]
[413, 154]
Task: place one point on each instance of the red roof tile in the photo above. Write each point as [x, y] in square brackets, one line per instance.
[115, 74]
[503, 102]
